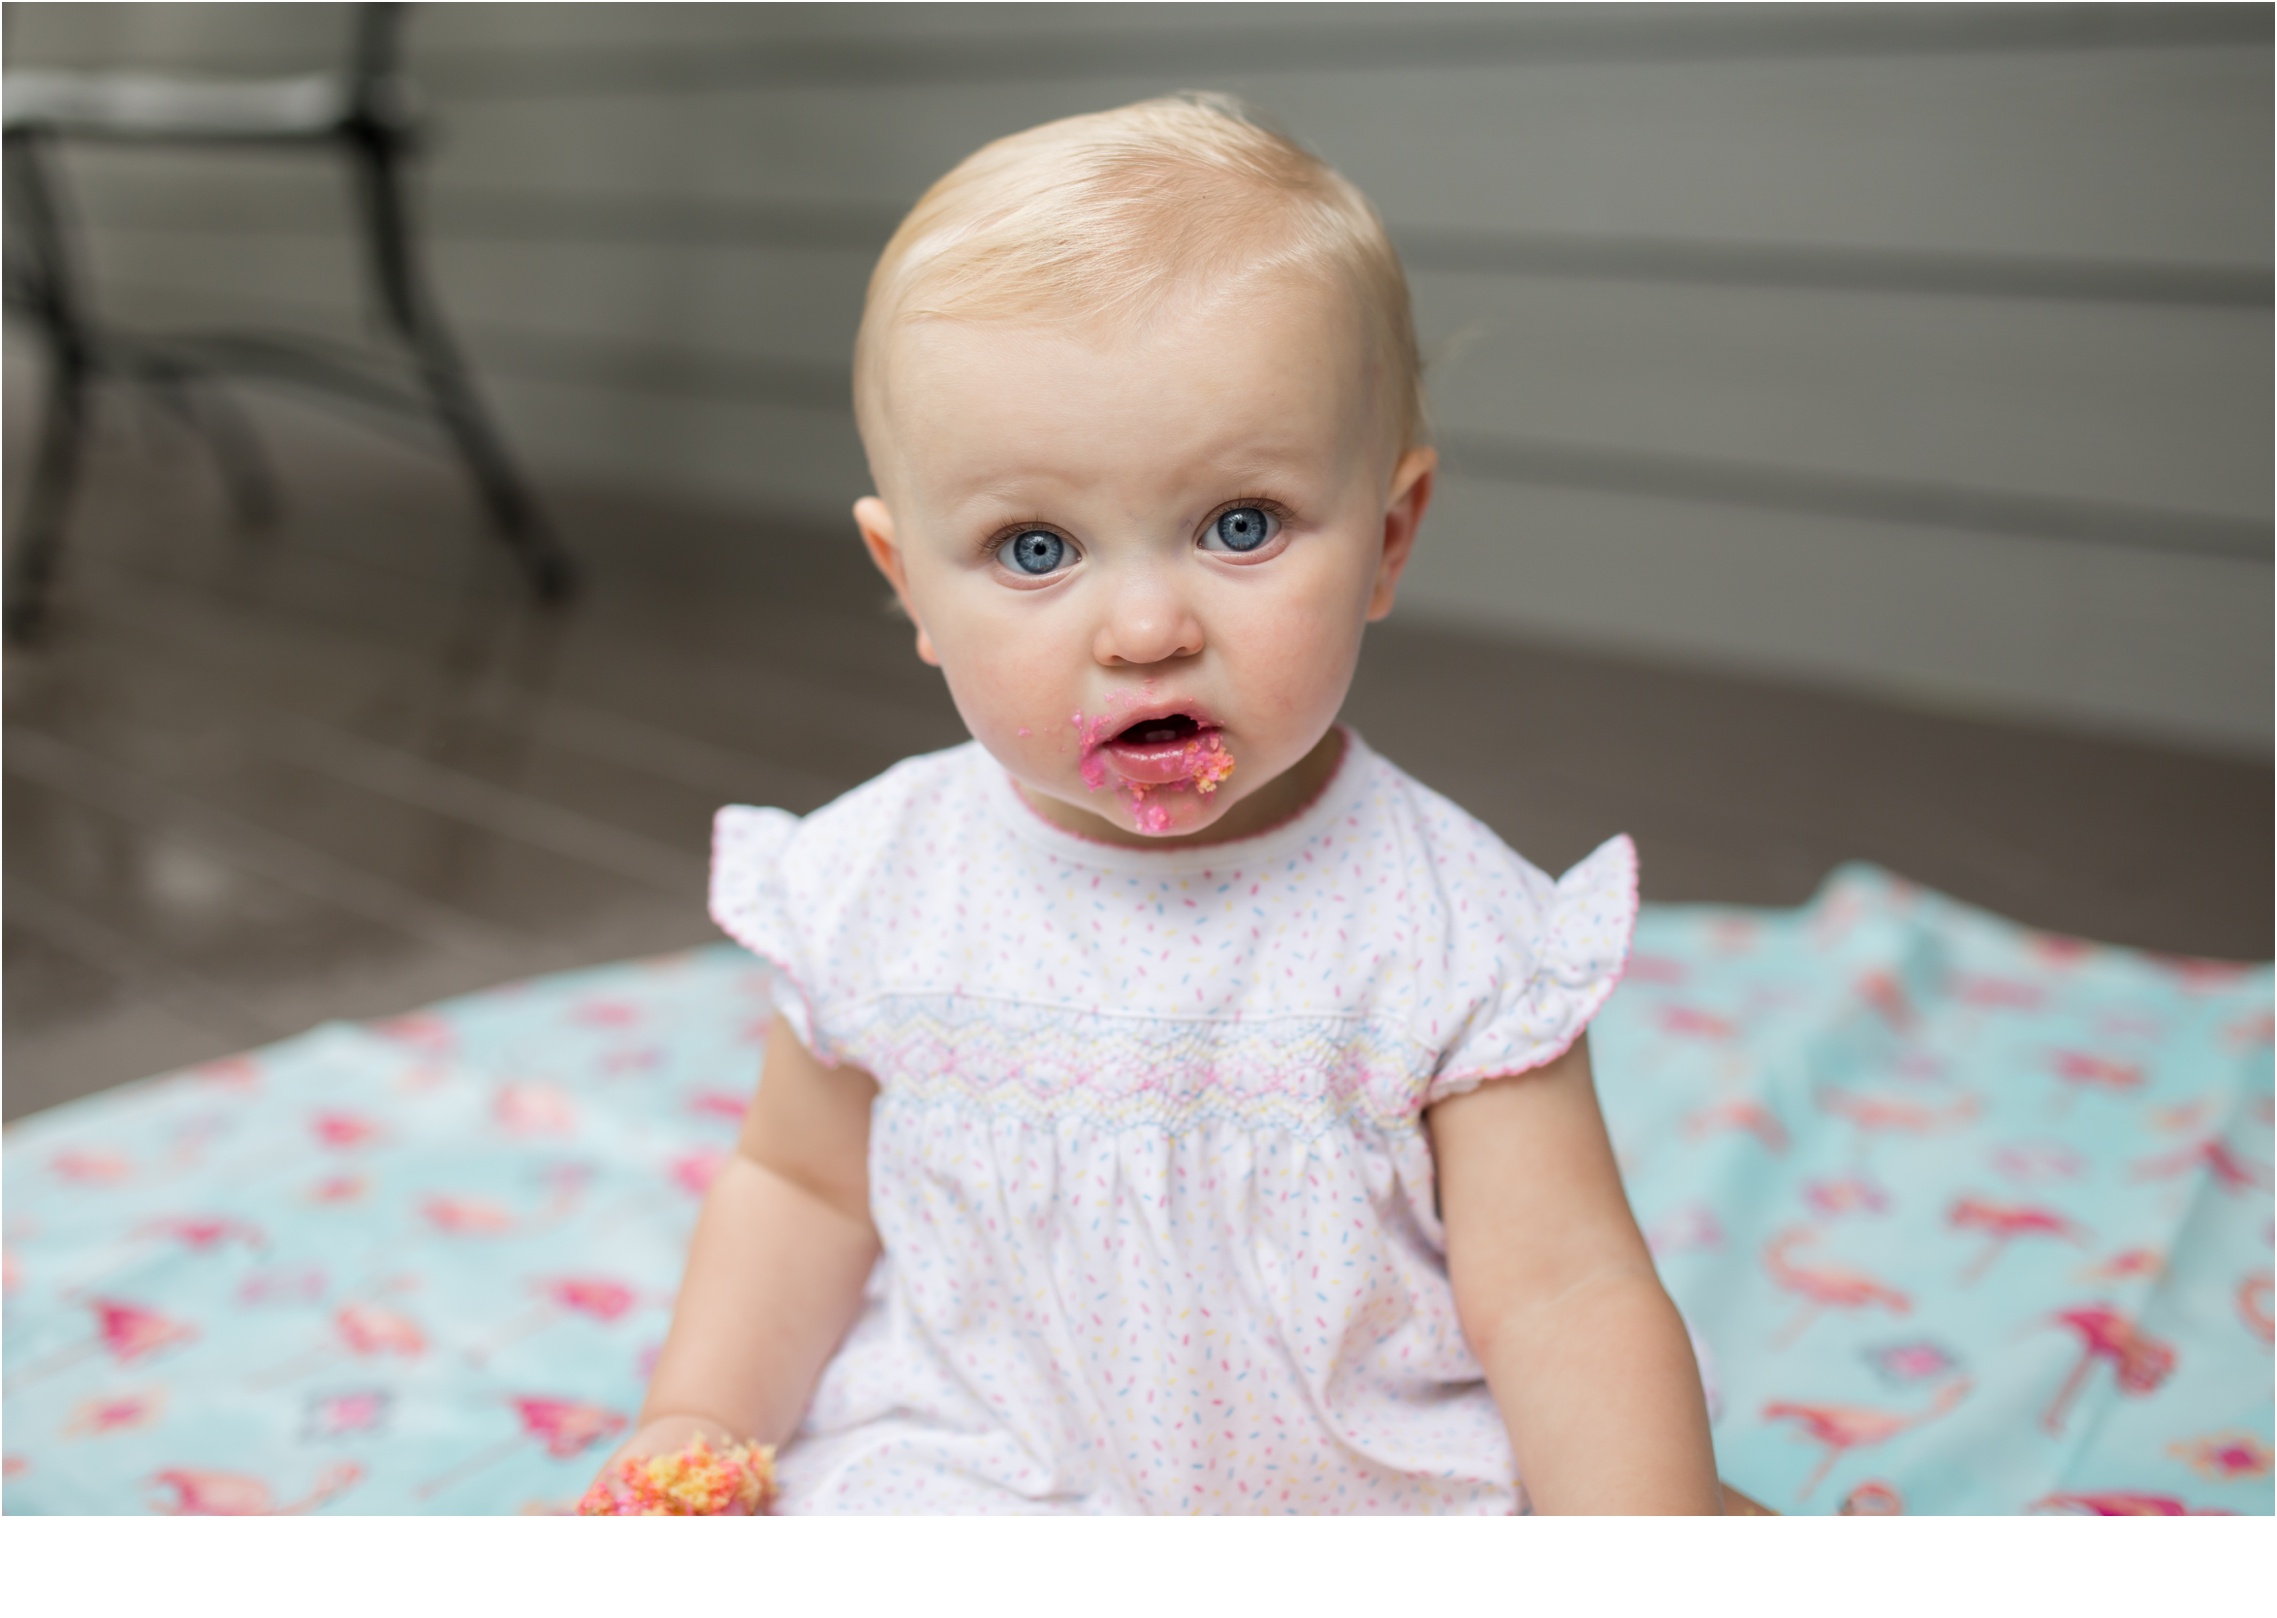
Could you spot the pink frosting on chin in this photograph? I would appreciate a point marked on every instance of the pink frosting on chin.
(1089, 734)
(1202, 763)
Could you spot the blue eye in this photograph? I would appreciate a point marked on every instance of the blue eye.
(1036, 551)
(1243, 529)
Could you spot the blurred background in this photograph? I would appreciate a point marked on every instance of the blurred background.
(1858, 426)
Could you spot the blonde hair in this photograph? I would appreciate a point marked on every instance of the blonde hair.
(1106, 215)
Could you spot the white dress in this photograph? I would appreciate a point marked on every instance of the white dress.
(1147, 1159)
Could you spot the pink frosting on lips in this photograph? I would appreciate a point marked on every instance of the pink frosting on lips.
(1174, 750)
(1157, 752)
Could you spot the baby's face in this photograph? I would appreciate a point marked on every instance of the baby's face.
(1143, 560)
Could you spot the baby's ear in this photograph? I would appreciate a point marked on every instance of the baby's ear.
(1411, 486)
(875, 520)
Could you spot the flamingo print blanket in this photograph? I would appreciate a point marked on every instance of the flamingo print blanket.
(1971, 1218)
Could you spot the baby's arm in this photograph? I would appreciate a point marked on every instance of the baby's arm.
(776, 1269)
(1587, 1357)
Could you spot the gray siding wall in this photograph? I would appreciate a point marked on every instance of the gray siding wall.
(1921, 349)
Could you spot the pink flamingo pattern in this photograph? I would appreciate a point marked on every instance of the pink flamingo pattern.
(467, 1215)
(117, 1413)
(2128, 1264)
(2256, 1295)
(1876, 1115)
(425, 1265)
(531, 1108)
(2225, 1457)
(131, 1332)
(1740, 1116)
(345, 1415)
(1844, 1195)
(1997, 993)
(2117, 1503)
(196, 1492)
(1921, 1360)
(2109, 1503)
(1823, 1286)
(2038, 1162)
(2003, 1222)
(566, 1427)
(206, 1234)
(2139, 1361)
(338, 1190)
(359, 1330)
(1690, 1022)
(2228, 1170)
(472, 1214)
(595, 1297)
(2084, 1073)
(1885, 992)
(719, 1105)
(342, 1131)
(694, 1171)
(1838, 1429)
(79, 1166)
(128, 1332)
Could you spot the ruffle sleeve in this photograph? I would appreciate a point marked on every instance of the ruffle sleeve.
(751, 903)
(1580, 947)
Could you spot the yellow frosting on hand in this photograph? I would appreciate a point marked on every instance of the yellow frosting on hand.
(696, 1482)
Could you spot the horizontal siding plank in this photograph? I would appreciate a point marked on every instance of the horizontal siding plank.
(2146, 406)
(562, 49)
(2157, 408)
(2156, 154)
(165, 194)
(2154, 644)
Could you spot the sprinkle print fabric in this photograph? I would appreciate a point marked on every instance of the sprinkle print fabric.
(1975, 1219)
(1147, 1159)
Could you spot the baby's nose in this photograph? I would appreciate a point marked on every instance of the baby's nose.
(1147, 621)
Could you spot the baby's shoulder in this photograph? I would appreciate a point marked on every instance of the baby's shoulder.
(912, 806)
(1517, 962)
(1491, 908)
(1440, 850)
(789, 885)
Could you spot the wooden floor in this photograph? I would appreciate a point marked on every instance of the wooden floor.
(342, 767)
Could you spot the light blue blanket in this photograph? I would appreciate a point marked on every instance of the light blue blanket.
(1973, 1219)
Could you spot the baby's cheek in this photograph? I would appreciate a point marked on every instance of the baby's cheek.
(1295, 666)
(1008, 699)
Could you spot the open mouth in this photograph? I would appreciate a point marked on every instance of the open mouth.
(1161, 749)
(1170, 729)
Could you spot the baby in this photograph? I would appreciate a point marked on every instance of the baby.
(1171, 1105)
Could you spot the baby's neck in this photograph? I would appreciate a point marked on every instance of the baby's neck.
(1281, 799)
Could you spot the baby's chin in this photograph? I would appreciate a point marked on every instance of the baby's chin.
(1128, 792)
(1130, 812)
(1177, 810)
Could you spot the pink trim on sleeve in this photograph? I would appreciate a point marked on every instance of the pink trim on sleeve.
(747, 901)
(1586, 1001)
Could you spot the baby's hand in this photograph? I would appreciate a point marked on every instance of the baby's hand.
(683, 1466)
